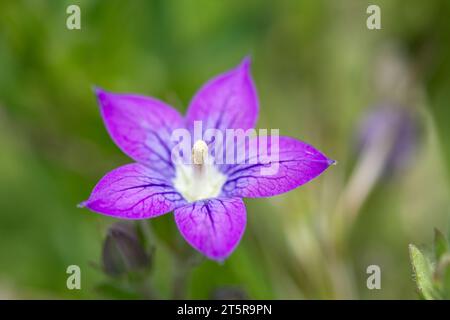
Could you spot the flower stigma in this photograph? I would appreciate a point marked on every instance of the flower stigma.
(201, 179)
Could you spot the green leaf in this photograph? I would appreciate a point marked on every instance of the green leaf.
(422, 273)
(440, 244)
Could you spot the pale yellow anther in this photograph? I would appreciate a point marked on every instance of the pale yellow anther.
(199, 152)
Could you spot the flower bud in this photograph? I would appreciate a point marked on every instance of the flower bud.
(392, 133)
(122, 250)
(386, 142)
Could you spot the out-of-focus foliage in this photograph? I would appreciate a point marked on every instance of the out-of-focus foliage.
(432, 274)
(318, 70)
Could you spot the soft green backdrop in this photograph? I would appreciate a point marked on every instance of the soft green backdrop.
(317, 69)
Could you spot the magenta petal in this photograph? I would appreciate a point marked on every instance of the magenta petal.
(228, 101)
(214, 226)
(141, 127)
(297, 164)
(134, 191)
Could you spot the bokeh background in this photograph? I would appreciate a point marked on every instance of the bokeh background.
(377, 101)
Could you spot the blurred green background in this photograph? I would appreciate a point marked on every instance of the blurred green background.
(318, 70)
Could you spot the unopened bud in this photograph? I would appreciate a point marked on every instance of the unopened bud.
(122, 250)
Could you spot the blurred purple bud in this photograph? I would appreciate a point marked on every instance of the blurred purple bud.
(122, 250)
(391, 130)
(229, 293)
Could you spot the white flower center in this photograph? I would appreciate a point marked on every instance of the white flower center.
(201, 179)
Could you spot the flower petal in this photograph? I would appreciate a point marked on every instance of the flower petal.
(134, 191)
(228, 101)
(296, 164)
(213, 226)
(141, 127)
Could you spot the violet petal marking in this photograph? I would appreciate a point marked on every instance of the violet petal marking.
(134, 191)
(214, 226)
(297, 164)
(141, 127)
(228, 101)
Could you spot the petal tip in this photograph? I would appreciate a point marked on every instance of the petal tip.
(99, 92)
(102, 97)
(219, 258)
(97, 89)
(83, 204)
(220, 261)
(332, 162)
(246, 63)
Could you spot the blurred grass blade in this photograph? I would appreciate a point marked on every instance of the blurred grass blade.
(442, 275)
(440, 244)
(446, 282)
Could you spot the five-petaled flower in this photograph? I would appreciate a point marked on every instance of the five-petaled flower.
(206, 198)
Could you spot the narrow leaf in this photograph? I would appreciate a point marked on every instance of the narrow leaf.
(440, 244)
(422, 273)
(442, 275)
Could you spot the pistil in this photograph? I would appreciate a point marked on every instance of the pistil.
(200, 179)
(199, 157)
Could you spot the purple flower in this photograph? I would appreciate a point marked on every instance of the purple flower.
(391, 132)
(206, 197)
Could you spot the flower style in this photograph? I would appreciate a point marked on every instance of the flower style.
(206, 197)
